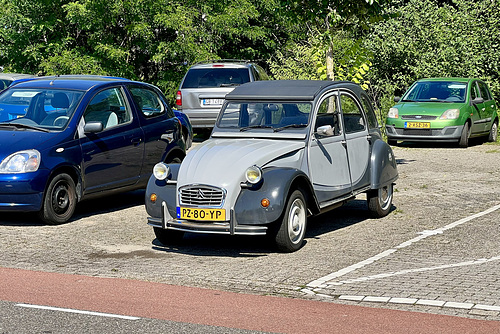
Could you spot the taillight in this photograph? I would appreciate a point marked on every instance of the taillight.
(178, 98)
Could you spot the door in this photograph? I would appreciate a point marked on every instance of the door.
(357, 140)
(477, 111)
(112, 158)
(488, 108)
(328, 162)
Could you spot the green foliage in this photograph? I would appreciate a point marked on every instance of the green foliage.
(430, 38)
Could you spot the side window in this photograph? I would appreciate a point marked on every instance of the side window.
(328, 115)
(147, 101)
(353, 117)
(109, 108)
(485, 93)
(474, 92)
(370, 114)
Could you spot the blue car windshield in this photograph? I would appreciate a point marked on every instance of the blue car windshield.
(437, 91)
(260, 115)
(48, 109)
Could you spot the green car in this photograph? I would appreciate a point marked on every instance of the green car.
(443, 110)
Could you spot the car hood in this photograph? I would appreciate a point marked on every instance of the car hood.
(223, 162)
(17, 140)
(426, 108)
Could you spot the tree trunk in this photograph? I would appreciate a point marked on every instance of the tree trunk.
(330, 73)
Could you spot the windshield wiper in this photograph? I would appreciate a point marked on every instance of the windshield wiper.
(290, 126)
(229, 85)
(255, 127)
(24, 126)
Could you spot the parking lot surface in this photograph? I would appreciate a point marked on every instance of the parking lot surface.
(437, 251)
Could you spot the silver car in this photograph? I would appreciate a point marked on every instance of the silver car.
(203, 88)
(280, 151)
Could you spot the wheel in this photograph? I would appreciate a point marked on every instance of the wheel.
(60, 200)
(492, 137)
(380, 201)
(292, 229)
(168, 237)
(464, 138)
(392, 142)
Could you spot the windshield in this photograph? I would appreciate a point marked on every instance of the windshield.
(48, 109)
(246, 116)
(215, 77)
(436, 91)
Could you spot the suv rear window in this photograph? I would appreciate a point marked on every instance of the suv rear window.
(215, 77)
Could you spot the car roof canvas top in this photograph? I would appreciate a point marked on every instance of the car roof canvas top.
(274, 90)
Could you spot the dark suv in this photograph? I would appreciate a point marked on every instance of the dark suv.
(205, 85)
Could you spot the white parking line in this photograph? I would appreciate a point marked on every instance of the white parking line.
(68, 310)
(325, 280)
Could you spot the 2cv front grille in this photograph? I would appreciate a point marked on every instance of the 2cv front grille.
(201, 195)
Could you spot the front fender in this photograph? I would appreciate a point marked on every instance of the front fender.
(383, 165)
(165, 190)
(275, 186)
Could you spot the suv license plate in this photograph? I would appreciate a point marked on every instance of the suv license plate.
(201, 214)
(212, 102)
(417, 125)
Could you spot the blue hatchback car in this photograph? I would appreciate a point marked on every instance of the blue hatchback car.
(80, 137)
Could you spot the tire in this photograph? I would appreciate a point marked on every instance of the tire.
(492, 137)
(380, 201)
(464, 138)
(60, 200)
(168, 237)
(292, 228)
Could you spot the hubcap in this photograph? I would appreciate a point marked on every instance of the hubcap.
(296, 221)
(385, 197)
(60, 198)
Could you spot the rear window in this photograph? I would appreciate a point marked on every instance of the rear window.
(215, 77)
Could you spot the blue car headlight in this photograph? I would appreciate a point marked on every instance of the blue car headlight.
(21, 162)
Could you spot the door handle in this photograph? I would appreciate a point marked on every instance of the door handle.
(136, 141)
(369, 138)
(344, 143)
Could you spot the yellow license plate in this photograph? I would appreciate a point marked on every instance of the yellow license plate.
(418, 125)
(201, 214)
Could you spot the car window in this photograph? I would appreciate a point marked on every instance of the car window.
(147, 101)
(215, 77)
(485, 93)
(328, 115)
(45, 108)
(265, 115)
(370, 114)
(353, 117)
(436, 91)
(474, 92)
(109, 108)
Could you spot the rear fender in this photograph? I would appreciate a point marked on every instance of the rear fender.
(383, 165)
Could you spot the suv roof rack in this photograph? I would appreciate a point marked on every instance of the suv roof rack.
(223, 61)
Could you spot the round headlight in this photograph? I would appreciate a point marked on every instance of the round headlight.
(253, 174)
(161, 171)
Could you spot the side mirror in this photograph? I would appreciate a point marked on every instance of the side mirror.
(93, 127)
(325, 130)
(397, 99)
(478, 100)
